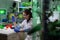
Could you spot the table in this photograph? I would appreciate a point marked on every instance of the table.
(8, 35)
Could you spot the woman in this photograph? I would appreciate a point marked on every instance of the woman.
(26, 25)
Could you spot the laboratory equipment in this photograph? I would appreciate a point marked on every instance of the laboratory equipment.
(20, 16)
(8, 26)
(2, 16)
(10, 16)
(1, 26)
(2, 11)
(13, 19)
(4, 20)
(17, 28)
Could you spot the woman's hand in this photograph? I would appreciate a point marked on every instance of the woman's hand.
(14, 24)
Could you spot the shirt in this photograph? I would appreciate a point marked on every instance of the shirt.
(26, 25)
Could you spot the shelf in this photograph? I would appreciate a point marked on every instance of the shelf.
(25, 7)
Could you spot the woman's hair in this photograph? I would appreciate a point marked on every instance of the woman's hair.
(28, 12)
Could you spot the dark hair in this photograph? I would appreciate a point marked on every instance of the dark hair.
(14, 4)
(28, 12)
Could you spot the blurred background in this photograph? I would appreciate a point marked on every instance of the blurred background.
(50, 10)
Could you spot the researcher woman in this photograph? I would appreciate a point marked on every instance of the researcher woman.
(26, 25)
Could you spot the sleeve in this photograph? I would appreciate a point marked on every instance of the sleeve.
(29, 26)
(22, 24)
(19, 27)
(26, 29)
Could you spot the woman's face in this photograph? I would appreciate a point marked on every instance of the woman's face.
(25, 16)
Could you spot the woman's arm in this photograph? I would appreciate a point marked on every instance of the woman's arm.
(25, 29)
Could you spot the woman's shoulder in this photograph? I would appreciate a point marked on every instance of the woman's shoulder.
(24, 20)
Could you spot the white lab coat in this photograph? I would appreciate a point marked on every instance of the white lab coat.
(26, 25)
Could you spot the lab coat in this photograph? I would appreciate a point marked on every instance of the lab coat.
(24, 25)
